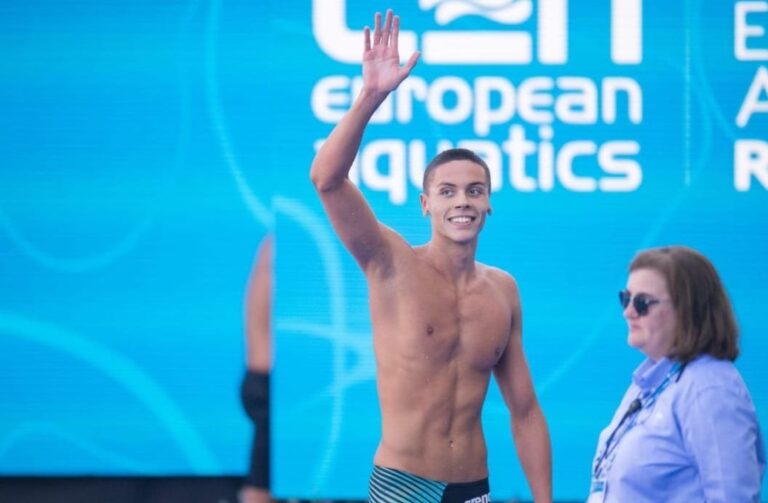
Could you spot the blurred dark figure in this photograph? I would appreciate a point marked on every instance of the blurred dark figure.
(255, 387)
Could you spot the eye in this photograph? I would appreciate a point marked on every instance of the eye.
(476, 190)
(445, 191)
(624, 298)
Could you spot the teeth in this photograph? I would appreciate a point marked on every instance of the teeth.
(461, 220)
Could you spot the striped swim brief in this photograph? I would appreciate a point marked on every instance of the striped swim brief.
(388, 485)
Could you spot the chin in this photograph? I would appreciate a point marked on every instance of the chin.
(634, 341)
(464, 237)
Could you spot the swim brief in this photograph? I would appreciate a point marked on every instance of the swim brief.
(388, 485)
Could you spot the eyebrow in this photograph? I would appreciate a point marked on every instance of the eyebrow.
(641, 292)
(471, 184)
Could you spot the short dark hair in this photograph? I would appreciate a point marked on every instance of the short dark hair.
(705, 320)
(454, 154)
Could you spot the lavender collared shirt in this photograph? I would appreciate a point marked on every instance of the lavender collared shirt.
(699, 442)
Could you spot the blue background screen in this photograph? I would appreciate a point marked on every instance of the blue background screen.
(146, 149)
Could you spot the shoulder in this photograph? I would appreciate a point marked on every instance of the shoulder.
(706, 369)
(501, 281)
(711, 398)
(707, 375)
(497, 276)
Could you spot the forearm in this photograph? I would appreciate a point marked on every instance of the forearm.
(334, 159)
(535, 454)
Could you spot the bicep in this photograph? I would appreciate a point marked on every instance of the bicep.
(354, 223)
(258, 303)
(514, 379)
(259, 290)
(511, 372)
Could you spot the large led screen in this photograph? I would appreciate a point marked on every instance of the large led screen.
(146, 149)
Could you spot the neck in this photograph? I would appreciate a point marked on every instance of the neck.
(453, 259)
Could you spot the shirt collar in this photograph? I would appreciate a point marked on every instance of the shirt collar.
(650, 374)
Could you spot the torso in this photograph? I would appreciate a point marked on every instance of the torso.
(436, 342)
(653, 460)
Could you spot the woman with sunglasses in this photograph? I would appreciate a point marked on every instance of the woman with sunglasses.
(686, 430)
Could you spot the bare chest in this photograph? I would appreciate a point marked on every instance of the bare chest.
(431, 319)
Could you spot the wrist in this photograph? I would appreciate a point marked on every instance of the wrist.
(371, 97)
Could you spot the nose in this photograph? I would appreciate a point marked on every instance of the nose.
(461, 201)
(629, 312)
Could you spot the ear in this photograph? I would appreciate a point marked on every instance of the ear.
(424, 204)
(490, 210)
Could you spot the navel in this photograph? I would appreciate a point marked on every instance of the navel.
(430, 330)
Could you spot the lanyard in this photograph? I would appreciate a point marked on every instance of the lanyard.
(632, 412)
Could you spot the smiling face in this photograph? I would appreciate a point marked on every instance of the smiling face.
(457, 200)
(654, 333)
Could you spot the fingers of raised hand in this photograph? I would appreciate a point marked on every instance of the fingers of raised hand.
(377, 28)
(387, 33)
(395, 31)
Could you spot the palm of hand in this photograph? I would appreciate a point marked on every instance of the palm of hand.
(381, 68)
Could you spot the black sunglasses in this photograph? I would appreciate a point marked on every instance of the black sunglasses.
(641, 302)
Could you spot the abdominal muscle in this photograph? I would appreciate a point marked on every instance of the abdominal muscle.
(431, 420)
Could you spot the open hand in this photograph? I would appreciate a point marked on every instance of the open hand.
(382, 72)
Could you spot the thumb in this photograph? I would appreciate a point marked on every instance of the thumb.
(406, 70)
(411, 62)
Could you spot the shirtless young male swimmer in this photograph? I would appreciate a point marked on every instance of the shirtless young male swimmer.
(442, 322)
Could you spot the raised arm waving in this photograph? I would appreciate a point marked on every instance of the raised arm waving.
(350, 214)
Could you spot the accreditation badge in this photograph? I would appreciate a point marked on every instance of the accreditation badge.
(597, 491)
